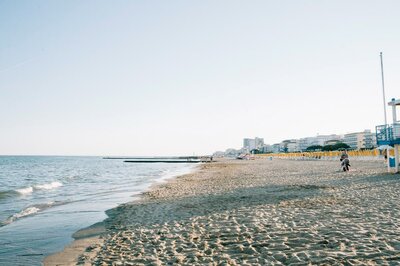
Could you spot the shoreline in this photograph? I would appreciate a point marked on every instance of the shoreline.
(84, 239)
(257, 212)
(88, 238)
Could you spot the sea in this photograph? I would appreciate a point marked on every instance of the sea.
(45, 199)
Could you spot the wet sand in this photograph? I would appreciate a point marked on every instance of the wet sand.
(257, 212)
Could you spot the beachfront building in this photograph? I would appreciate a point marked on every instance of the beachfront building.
(360, 140)
(259, 142)
(267, 148)
(276, 148)
(304, 143)
(320, 140)
(251, 144)
(332, 142)
(290, 145)
(293, 146)
(370, 141)
(218, 154)
(232, 152)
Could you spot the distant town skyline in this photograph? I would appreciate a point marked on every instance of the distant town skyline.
(364, 139)
(183, 78)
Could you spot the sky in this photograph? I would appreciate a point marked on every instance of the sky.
(190, 77)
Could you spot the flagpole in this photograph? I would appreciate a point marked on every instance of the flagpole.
(383, 89)
(384, 110)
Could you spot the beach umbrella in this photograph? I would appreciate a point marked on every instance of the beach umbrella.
(385, 147)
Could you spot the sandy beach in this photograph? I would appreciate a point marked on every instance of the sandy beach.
(261, 212)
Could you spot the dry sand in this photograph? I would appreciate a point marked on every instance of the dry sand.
(258, 212)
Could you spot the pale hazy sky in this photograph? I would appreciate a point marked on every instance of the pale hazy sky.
(190, 77)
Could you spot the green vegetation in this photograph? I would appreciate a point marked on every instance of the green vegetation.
(335, 147)
(256, 151)
(314, 148)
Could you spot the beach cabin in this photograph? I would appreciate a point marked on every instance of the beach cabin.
(390, 135)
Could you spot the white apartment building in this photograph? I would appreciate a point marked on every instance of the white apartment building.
(276, 148)
(232, 152)
(304, 143)
(251, 144)
(267, 148)
(357, 140)
(360, 140)
(291, 145)
(259, 142)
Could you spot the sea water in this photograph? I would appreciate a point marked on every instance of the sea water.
(45, 199)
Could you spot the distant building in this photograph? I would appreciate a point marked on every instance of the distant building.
(293, 146)
(357, 140)
(290, 145)
(332, 142)
(259, 142)
(360, 140)
(218, 154)
(267, 148)
(248, 144)
(251, 144)
(276, 148)
(232, 152)
(370, 141)
(320, 140)
(304, 143)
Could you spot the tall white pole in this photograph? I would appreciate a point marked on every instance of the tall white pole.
(384, 110)
(383, 89)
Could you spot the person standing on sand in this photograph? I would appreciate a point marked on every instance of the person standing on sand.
(344, 158)
(344, 155)
(385, 154)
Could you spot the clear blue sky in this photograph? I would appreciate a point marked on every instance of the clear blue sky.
(184, 77)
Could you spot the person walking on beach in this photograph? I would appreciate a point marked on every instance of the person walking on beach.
(344, 155)
(344, 158)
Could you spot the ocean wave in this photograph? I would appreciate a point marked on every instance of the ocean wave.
(168, 174)
(48, 186)
(31, 210)
(24, 191)
(29, 190)
(25, 212)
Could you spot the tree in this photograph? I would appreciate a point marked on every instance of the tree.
(328, 148)
(335, 147)
(340, 145)
(314, 148)
(255, 151)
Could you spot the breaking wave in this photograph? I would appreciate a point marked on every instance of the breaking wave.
(47, 186)
(29, 190)
(51, 185)
(31, 210)
(24, 191)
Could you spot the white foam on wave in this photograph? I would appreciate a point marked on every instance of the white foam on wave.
(47, 186)
(169, 174)
(24, 191)
(31, 210)
(54, 184)
(26, 212)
